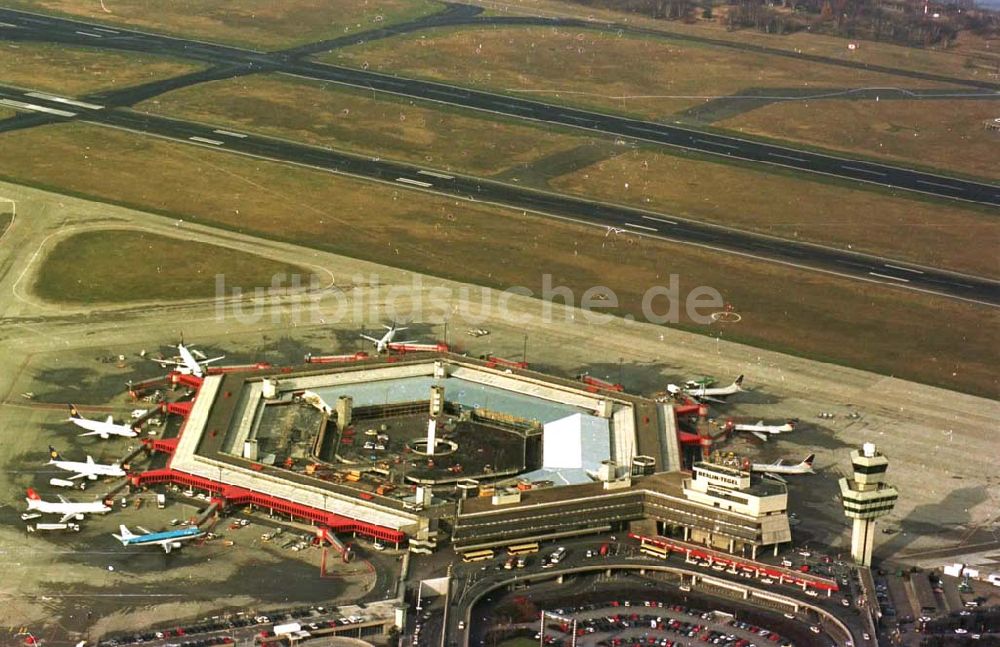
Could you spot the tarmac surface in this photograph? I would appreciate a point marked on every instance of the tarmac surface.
(237, 61)
(941, 444)
(797, 255)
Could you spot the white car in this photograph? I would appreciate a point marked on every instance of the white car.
(961, 631)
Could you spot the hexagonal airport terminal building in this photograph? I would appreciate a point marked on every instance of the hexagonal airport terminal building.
(434, 448)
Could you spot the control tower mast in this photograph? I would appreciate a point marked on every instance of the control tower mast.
(866, 497)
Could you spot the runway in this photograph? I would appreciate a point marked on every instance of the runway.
(619, 219)
(233, 61)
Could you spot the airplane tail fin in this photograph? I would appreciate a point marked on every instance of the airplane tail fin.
(73, 412)
(125, 535)
(33, 495)
(53, 454)
(808, 462)
(739, 381)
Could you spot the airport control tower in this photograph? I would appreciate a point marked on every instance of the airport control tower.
(866, 497)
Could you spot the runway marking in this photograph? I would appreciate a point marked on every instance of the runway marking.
(205, 140)
(862, 170)
(573, 117)
(436, 174)
(229, 133)
(36, 108)
(647, 130)
(632, 224)
(406, 180)
(512, 105)
(711, 143)
(106, 30)
(87, 33)
(943, 186)
(58, 99)
(669, 222)
(846, 262)
(887, 276)
(788, 157)
(904, 269)
(7, 24)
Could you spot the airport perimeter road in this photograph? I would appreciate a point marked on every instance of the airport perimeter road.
(237, 61)
(406, 176)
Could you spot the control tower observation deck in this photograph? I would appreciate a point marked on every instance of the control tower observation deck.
(866, 497)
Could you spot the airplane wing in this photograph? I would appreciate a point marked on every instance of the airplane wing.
(78, 476)
(167, 362)
(371, 339)
(90, 460)
(62, 498)
(211, 359)
(96, 432)
(143, 530)
(110, 420)
(702, 398)
(66, 517)
(760, 435)
(402, 343)
(774, 476)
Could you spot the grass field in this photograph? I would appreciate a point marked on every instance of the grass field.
(330, 115)
(961, 238)
(121, 266)
(7, 113)
(5, 218)
(951, 61)
(598, 69)
(261, 24)
(80, 70)
(940, 133)
(907, 334)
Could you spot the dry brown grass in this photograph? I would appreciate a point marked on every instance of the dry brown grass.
(951, 61)
(907, 334)
(81, 70)
(7, 113)
(330, 115)
(87, 268)
(650, 77)
(950, 236)
(262, 24)
(941, 133)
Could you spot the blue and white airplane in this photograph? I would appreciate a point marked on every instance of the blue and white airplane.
(168, 539)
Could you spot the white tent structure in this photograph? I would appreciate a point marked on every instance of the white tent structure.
(573, 446)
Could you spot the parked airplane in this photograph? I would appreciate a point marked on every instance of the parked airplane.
(382, 345)
(168, 540)
(774, 470)
(704, 392)
(102, 428)
(761, 430)
(191, 361)
(90, 469)
(65, 507)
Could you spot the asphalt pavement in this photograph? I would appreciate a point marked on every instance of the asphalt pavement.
(37, 27)
(230, 61)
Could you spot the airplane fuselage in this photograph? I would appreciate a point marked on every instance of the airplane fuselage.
(90, 470)
(52, 507)
(104, 429)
